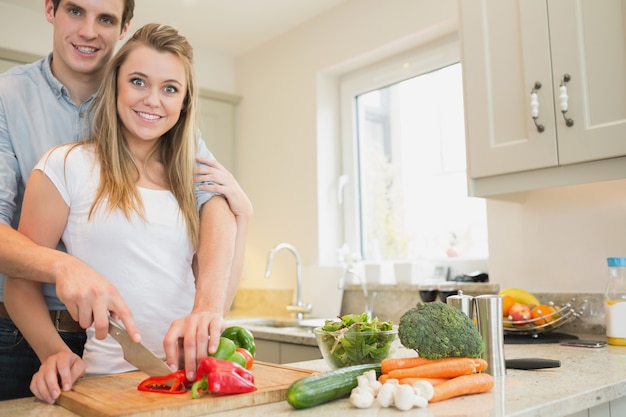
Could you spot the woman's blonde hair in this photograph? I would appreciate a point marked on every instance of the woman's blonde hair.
(176, 149)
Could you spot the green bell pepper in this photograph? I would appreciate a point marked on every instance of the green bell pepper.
(242, 338)
(226, 350)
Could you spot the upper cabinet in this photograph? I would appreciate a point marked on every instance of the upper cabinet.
(545, 91)
(217, 114)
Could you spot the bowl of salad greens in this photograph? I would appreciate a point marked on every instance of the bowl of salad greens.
(354, 339)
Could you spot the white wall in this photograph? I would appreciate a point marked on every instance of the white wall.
(558, 239)
(24, 30)
(289, 91)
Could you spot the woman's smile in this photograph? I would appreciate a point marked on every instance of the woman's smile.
(148, 116)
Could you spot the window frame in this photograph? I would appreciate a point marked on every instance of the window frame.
(426, 58)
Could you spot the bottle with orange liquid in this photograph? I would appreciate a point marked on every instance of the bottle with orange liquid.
(615, 302)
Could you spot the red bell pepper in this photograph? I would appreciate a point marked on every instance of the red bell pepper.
(220, 376)
(174, 383)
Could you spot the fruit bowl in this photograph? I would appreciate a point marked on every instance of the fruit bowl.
(555, 317)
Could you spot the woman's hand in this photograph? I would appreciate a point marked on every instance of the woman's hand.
(195, 334)
(65, 367)
(221, 181)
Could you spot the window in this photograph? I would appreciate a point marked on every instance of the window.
(404, 155)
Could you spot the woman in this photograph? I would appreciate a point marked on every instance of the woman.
(124, 203)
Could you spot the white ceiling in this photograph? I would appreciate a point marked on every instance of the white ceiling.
(229, 27)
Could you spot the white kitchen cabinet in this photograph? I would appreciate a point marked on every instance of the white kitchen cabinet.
(290, 352)
(216, 115)
(602, 410)
(5, 64)
(10, 58)
(281, 352)
(615, 408)
(513, 48)
(267, 351)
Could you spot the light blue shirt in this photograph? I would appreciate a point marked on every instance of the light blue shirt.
(36, 114)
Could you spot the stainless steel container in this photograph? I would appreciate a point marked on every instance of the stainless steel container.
(462, 302)
(489, 315)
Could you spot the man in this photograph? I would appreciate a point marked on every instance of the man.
(45, 104)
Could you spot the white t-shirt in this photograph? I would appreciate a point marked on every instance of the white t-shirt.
(149, 262)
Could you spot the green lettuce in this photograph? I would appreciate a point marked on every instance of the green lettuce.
(354, 339)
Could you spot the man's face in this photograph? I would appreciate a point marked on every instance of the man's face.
(85, 35)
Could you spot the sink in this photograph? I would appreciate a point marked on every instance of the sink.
(278, 323)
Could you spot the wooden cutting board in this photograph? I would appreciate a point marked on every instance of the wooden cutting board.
(117, 395)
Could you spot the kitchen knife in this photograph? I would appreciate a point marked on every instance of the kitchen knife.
(531, 363)
(137, 354)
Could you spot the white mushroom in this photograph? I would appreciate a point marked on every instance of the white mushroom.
(405, 397)
(362, 396)
(373, 383)
(387, 392)
(421, 402)
(424, 389)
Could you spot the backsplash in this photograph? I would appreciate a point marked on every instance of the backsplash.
(590, 307)
(253, 302)
(391, 301)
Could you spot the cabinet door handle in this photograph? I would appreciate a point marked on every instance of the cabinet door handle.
(534, 107)
(563, 98)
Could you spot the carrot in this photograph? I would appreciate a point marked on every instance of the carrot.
(389, 364)
(383, 378)
(481, 364)
(463, 385)
(433, 381)
(445, 368)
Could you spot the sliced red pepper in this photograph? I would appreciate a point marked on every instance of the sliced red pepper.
(174, 383)
(220, 376)
(247, 356)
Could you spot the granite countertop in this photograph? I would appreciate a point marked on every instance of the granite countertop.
(587, 377)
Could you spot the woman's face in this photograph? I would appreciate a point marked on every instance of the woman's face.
(151, 91)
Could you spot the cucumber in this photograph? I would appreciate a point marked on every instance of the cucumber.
(321, 388)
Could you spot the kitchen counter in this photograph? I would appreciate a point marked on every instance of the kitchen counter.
(302, 335)
(587, 377)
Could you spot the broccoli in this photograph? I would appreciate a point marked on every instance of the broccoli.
(437, 330)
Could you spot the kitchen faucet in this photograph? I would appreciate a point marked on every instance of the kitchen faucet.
(347, 260)
(299, 308)
(369, 297)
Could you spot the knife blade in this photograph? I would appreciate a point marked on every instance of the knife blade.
(137, 354)
(532, 363)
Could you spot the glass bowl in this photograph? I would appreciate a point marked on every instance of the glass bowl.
(343, 347)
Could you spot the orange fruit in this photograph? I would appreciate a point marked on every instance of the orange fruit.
(507, 303)
(542, 314)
